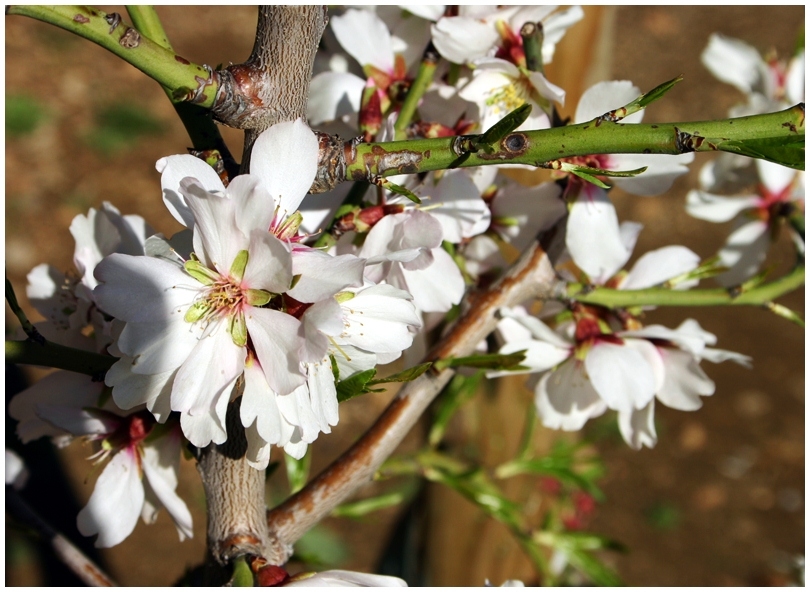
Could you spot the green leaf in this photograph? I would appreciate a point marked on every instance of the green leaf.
(656, 93)
(639, 103)
(787, 151)
(489, 361)
(354, 385)
(200, 272)
(298, 470)
(366, 506)
(398, 189)
(322, 548)
(404, 376)
(458, 391)
(504, 127)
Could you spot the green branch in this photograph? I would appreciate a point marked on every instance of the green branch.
(186, 81)
(778, 137)
(53, 355)
(760, 295)
(201, 129)
(418, 87)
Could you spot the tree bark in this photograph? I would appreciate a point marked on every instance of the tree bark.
(272, 86)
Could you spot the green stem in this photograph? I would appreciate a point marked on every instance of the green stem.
(545, 147)
(760, 295)
(532, 35)
(201, 129)
(183, 78)
(420, 84)
(146, 20)
(53, 355)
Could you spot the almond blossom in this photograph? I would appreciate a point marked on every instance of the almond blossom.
(757, 218)
(481, 31)
(141, 474)
(66, 300)
(588, 367)
(405, 251)
(198, 323)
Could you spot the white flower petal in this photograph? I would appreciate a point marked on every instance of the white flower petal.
(662, 170)
(285, 158)
(334, 95)
(275, 337)
(604, 97)
(347, 579)
(621, 374)
(269, 265)
(685, 381)
(638, 427)
(593, 237)
(143, 289)
(200, 383)
(365, 37)
(716, 208)
(323, 275)
(565, 398)
(160, 469)
(734, 62)
(744, 252)
(116, 502)
(462, 39)
(656, 267)
(174, 169)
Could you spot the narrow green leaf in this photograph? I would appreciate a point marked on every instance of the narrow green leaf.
(399, 190)
(577, 169)
(488, 361)
(640, 103)
(298, 470)
(360, 508)
(404, 376)
(505, 126)
(354, 385)
(458, 391)
(787, 151)
(656, 93)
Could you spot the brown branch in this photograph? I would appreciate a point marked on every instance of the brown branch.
(272, 86)
(531, 277)
(87, 571)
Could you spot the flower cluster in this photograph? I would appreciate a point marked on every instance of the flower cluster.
(266, 301)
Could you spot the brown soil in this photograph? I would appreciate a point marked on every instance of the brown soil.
(719, 501)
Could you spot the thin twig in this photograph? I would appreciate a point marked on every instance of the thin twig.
(532, 276)
(87, 571)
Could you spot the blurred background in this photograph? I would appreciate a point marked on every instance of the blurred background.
(719, 501)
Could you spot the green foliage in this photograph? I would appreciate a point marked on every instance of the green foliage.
(360, 383)
(321, 548)
(118, 125)
(490, 361)
(787, 151)
(298, 470)
(366, 506)
(663, 516)
(457, 392)
(24, 114)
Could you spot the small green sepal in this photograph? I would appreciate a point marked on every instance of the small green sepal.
(200, 272)
(238, 329)
(257, 297)
(239, 264)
